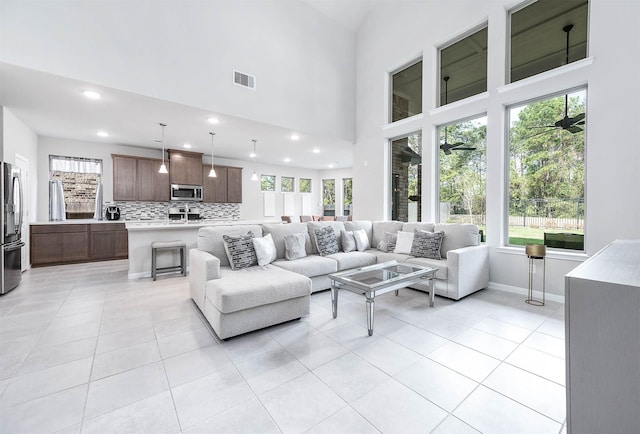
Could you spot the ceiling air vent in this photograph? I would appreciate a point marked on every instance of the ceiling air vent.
(245, 80)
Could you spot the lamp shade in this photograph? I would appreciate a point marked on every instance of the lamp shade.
(535, 250)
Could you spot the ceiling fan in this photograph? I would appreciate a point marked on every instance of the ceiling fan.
(448, 147)
(571, 124)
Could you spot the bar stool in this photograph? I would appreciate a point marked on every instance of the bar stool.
(168, 245)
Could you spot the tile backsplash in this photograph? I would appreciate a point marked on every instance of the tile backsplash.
(160, 210)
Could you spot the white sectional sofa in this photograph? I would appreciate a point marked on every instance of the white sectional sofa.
(236, 302)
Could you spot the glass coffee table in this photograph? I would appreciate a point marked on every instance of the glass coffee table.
(379, 279)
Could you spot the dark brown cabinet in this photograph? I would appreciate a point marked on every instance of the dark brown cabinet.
(152, 185)
(70, 243)
(137, 178)
(125, 178)
(226, 187)
(186, 167)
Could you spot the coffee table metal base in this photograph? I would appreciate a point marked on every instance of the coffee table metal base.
(371, 294)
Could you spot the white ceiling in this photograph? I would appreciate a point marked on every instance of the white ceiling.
(54, 106)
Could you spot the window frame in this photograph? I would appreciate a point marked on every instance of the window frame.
(293, 184)
(507, 166)
(268, 176)
(391, 74)
(300, 185)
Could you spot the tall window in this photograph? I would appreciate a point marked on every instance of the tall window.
(547, 34)
(329, 197)
(465, 63)
(406, 92)
(347, 195)
(406, 178)
(546, 171)
(462, 172)
(75, 187)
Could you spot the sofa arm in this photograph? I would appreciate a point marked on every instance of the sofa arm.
(468, 270)
(203, 266)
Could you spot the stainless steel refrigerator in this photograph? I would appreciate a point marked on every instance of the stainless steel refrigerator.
(11, 213)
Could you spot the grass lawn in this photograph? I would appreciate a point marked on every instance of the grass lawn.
(520, 236)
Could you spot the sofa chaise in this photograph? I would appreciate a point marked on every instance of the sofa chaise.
(236, 302)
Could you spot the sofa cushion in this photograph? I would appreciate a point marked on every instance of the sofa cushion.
(440, 264)
(361, 224)
(347, 241)
(362, 240)
(278, 231)
(210, 238)
(388, 243)
(310, 266)
(350, 260)
(240, 251)
(326, 240)
(412, 226)
(312, 226)
(426, 244)
(294, 246)
(379, 228)
(254, 286)
(404, 243)
(389, 256)
(265, 249)
(457, 236)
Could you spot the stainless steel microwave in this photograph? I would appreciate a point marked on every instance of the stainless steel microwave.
(191, 193)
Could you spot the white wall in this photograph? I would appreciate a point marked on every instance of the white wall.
(612, 152)
(19, 139)
(252, 197)
(186, 51)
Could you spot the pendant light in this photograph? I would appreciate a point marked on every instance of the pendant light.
(254, 177)
(212, 172)
(163, 167)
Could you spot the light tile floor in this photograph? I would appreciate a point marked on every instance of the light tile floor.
(85, 350)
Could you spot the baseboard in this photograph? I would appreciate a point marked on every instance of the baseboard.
(524, 292)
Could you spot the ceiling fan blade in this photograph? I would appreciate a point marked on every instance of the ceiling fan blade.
(545, 126)
(574, 129)
(539, 134)
(456, 144)
(466, 148)
(577, 118)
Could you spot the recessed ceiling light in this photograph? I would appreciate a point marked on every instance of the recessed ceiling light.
(91, 94)
(316, 151)
(287, 160)
(102, 134)
(294, 137)
(331, 166)
(213, 120)
(187, 146)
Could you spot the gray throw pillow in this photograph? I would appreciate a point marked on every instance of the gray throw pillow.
(388, 242)
(347, 240)
(294, 246)
(326, 241)
(240, 251)
(426, 244)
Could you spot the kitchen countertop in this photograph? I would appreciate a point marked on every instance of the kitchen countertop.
(76, 222)
(142, 225)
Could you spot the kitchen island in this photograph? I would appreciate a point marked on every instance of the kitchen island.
(143, 232)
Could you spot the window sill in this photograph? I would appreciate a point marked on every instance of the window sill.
(403, 122)
(551, 254)
(573, 66)
(460, 103)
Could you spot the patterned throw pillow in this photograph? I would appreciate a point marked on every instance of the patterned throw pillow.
(294, 246)
(362, 240)
(388, 242)
(240, 251)
(326, 241)
(426, 244)
(348, 242)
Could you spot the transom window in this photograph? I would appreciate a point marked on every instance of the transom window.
(547, 34)
(268, 182)
(406, 92)
(286, 184)
(304, 185)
